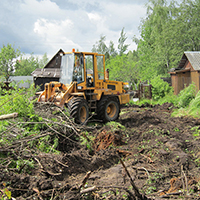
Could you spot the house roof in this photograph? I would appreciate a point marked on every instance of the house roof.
(47, 72)
(60, 51)
(193, 57)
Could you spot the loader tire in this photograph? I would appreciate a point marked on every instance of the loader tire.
(108, 109)
(79, 110)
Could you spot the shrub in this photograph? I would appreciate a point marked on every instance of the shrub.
(194, 106)
(160, 88)
(186, 95)
(169, 98)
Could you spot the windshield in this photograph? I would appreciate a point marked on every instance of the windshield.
(67, 64)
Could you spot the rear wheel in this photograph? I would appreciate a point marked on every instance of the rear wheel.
(108, 109)
(79, 110)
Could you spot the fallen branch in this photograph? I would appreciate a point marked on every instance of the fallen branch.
(85, 179)
(143, 169)
(61, 163)
(137, 193)
(38, 193)
(185, 184)
(172, 193)
(91, 189)
(41, 166)
(9, 116)
(94, 188)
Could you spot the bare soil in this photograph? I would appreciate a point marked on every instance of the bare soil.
(161, 153)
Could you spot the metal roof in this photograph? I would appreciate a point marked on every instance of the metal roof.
(193, 57)
(47, 72)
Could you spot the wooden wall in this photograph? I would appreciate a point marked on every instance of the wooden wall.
(180, 81)
(55, 62)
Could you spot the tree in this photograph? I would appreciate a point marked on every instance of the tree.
(43, 61)
(121, 46)
(8, 56)
(100, 47)
(124, 68)
(111, 50)
(25, 66)
(166, 33)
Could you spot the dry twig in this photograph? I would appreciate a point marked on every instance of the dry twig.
(137, 193)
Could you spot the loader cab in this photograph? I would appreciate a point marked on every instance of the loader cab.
(72, 68)
(94, 65)
(84, 68)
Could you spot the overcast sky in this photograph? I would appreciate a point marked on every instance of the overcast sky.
(45, 26)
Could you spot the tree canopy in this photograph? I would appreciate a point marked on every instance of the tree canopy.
(14, 63)
(25, 66)
(166, 33)
(8, 56)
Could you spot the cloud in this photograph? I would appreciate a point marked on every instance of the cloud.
(122, 15)
(45, 26)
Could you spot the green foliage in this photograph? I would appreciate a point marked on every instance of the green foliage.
(160, 88)
(115, 125)
(151, 182)
(8, 56)
(121, 46)
(100, 47)
(168, 98)
(188, 103)
(186, 95)
(194, 106)
(123, 68)
(24, 165)
(18, 100)
(146, 102)
(48, 144)
(167, 31)
(87, 140)
(25, 66)
(5, 193)
(196, 131)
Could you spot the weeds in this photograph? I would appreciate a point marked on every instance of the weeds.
(87, 140)
(5, 193)
(115, 125)
(196, 131)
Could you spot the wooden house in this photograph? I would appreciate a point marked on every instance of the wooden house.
(50, 72)
(187, 72)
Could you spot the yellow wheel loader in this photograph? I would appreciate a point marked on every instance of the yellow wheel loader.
(85, 88)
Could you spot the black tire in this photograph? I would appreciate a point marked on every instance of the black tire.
(108, 109)
(79, 110)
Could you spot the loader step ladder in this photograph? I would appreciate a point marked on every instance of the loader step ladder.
(92, 103)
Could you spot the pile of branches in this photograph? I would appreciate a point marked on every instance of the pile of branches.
(20, 138)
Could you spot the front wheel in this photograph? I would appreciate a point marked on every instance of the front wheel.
(108, 109)
(79, 110)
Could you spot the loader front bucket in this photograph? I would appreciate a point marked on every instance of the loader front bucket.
(57, 93)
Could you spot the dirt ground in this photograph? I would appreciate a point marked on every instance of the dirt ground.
(161, 155)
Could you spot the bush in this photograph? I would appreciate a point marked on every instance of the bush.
(186, 95)
(18, 100)
(168, 98)
(194, 106)
(160, 88)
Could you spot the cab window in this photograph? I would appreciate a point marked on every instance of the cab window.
(100, 67)
(78, 72)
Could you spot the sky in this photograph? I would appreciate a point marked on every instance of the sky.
(45, 26)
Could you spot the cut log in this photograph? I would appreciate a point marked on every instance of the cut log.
(8, 116)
